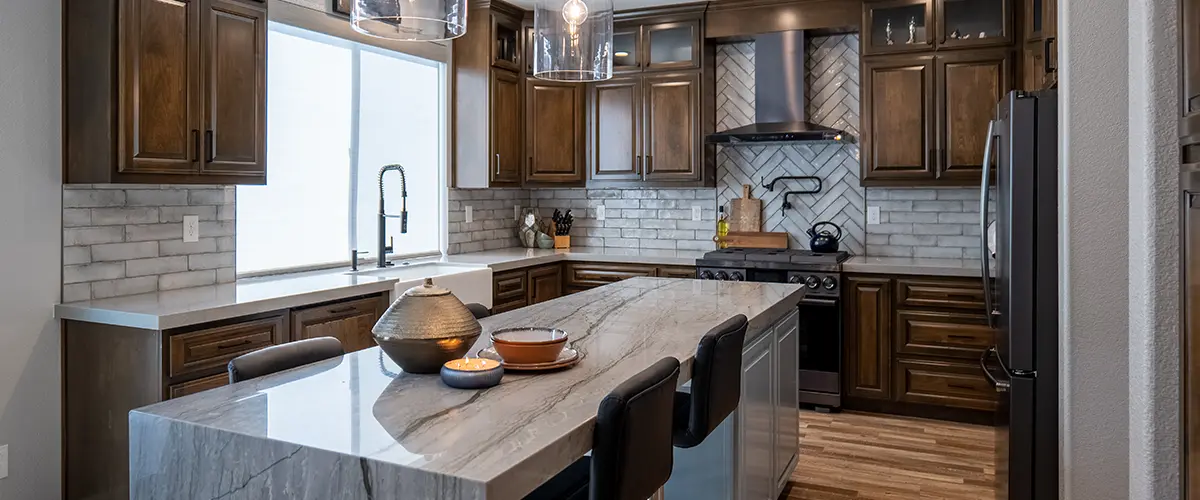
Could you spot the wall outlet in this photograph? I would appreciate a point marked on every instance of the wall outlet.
(470, 214)
(191, 228)
(696, 213)
(3, 461)
(599, 212)
(872, 215)
(517, 213)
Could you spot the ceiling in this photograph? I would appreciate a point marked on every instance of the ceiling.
(617, 4)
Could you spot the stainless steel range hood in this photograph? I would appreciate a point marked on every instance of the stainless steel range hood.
(779, 97)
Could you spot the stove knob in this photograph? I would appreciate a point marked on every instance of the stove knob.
(794, 279)
(721, 275)
(706, 275)
(829, 283)
(812, 282)
(737, 276)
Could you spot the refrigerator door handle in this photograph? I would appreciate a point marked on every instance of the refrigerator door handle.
(983, 223)
(1000, 385)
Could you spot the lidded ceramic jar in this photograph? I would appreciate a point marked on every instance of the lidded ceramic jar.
(425, 328)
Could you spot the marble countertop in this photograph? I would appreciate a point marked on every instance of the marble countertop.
(514, 258)
(968, 268)
(357, 424)
(190, 306)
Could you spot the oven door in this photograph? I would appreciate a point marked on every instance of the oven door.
(820, 345)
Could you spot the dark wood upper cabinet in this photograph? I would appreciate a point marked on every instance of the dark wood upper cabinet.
(165, 91)
(348, 321)
(671, 147)
(506, 42)
(160, 98)
(898, 120)
(1039, 19)
(1033, 66)
(973, 23)
(969, 85)
(669, 46)
(554, 132)
(505, 128)
(893, 26)
(614, 125)
(235, 91)
(627, 47)
(868, 337)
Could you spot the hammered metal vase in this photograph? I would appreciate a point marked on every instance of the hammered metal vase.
(425, 328)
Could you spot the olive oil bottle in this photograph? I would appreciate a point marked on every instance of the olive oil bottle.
(722, 228)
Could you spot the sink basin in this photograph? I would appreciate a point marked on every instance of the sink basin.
(468, 283)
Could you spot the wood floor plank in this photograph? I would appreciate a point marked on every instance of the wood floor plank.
(860, 456)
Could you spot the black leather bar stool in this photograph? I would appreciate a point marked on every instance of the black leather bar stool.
(631, 455)
(478, 310)
(282, 357)
(716, 383)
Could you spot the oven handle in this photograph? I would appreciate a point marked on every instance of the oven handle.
(818, 302)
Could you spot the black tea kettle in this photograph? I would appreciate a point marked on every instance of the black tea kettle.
(822, 241)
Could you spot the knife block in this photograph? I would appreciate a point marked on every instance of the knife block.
(562, 241)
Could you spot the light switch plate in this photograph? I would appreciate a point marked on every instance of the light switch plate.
(3, 461)
(696, 213)
(517, 213)
(599, 212)
(191, 228)
(872, 215)
(470, 214)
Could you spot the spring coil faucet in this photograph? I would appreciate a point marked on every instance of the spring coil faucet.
(384, 250)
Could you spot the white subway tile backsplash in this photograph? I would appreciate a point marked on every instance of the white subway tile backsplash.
(123, 240)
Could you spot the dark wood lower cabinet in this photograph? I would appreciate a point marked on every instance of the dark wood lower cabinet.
(510, 290)
(916, 351)
(545, 283)
(348, 321)
(867, 337)
(517, 288)
(110, 370)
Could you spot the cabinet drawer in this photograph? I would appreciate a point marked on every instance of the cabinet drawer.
(943, 383)
(510, 290)
(210, 348)
(953, 334)
(198, 385)
(349, 321)
(594, 275)
(955, 294)
(677, 272)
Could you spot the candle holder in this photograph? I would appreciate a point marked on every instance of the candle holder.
(472, 373)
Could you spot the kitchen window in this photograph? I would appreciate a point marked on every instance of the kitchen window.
(337, 111)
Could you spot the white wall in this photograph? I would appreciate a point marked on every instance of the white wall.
(1094, 249)
(30, 248)
(1153, 249)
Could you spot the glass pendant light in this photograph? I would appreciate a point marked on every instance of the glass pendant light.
(572, 40)
(417, 20)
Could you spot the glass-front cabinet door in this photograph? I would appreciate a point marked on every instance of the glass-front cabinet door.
(671, 45)
(627, 42)
(897, 26)
(970, 23)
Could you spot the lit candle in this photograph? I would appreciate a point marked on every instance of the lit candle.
(472, 373)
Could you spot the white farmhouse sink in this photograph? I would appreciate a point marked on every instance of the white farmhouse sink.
(468, 283)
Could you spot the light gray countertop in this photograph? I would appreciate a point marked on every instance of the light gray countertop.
(967, 268)
(355, 425)
(190, 306)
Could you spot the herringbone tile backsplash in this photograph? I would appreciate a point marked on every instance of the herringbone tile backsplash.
(832, 91)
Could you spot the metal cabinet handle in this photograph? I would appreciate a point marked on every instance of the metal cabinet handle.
(639, 165)
(649, 163)
(195, 156)
(237, 344)
(1046, 56)
(340, 310)
(211, 139)
(497, 164)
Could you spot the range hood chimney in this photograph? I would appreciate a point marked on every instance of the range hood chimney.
(779, 103)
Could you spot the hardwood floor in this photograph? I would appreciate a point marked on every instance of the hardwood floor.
(865, 456)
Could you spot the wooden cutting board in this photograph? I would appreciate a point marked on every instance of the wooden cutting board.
(756, 239)
(745, 214)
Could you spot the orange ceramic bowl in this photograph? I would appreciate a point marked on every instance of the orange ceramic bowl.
(527, 345)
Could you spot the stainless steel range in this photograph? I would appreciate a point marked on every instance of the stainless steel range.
(820, 357)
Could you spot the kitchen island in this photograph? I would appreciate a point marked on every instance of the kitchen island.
(357, 427)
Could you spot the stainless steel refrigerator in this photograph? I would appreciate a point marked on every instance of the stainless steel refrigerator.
(1021, 240)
